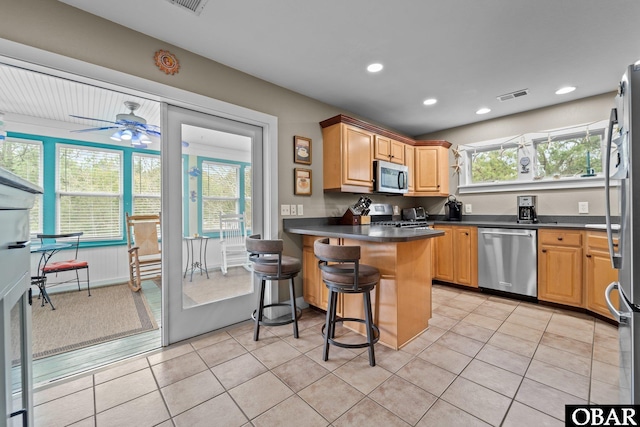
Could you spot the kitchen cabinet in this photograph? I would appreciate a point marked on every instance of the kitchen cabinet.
(389, 150)
(409, 156)
(560, 267)
(455, 257)
(348, 154)
(599, 273)
(431, 165)
(314, 290)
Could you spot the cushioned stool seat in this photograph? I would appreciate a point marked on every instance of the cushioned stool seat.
(343, 273)
(269, 264)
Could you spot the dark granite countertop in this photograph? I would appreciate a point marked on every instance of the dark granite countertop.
(371, 233)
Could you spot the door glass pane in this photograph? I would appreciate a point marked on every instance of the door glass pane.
(217, 207)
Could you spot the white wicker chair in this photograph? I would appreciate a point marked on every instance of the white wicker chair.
(233, 233)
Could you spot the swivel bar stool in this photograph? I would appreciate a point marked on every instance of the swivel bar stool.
(269, 264)
(342, 273)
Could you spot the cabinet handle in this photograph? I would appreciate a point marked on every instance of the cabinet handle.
(544, 251)
(559, 238)
(588, 255)
(466, 233)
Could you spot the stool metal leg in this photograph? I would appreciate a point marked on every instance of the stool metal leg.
(256, 329)
(294, 309)
(334, 306)
(369, 322)
(328, 327)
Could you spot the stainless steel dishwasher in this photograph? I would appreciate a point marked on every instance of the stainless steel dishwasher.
(507, 260)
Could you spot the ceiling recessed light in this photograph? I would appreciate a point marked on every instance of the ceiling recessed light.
(483, 110)
(430, 101)
(566, 89)
(374, 68)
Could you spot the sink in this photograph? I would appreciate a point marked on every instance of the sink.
(603, 226)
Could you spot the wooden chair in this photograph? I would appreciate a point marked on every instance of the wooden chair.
(233, 234)
(143, 248)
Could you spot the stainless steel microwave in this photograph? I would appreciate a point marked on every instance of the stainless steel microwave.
(390, 177)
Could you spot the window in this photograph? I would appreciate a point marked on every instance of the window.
(146, 184)
(220, 192)
(24, 158)
(560, 158)
(89, 191)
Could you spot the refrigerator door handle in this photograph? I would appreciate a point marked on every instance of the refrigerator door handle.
(619, 316)
(616, 257)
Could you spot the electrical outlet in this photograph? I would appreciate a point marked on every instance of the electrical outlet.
(583, 207)
(468, 208)
(285, 210)
(293, 210)
(300, 210)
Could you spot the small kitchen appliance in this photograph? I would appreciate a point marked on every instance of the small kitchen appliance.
(453, 209)
(390, 177)
(527, 210)
(382, 216)
(414, 214)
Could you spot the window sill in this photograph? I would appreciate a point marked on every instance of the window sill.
(544, 184)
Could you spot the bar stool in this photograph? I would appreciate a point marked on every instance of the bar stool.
(346, 276)
(269, 264)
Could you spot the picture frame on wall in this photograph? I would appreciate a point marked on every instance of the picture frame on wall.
(302, 182)
(302, 150)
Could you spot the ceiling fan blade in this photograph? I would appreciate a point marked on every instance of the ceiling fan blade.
(90, 118)
(95, 129)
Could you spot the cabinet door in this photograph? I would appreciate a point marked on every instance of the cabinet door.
(382, 148)
(465, 255)
(357, 154)
(311, 277)
(426, 159)
(409, 154)
(397, 152)
(443, 255)
(560, 274)
(599, 275)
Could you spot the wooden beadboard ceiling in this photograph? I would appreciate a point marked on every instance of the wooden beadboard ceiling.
(32, 94)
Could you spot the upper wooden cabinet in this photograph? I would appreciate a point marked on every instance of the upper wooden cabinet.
(348, 153)
(350, 146)
(431, 170)
(389, 150)
(560, 267)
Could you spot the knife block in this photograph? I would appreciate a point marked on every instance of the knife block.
(350, 218)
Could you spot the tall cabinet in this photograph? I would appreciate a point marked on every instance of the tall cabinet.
(16, 198)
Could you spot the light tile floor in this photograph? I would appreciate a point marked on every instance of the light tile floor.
(485, 360)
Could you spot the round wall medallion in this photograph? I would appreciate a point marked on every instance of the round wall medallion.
(167, 61)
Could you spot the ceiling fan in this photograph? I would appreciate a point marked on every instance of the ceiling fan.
(130, 127)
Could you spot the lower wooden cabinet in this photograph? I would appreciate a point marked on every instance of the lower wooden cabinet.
(314, 290)
(599, 273)
(560, 267)
(456, 255)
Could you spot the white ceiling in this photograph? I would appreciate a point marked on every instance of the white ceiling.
(463, 52)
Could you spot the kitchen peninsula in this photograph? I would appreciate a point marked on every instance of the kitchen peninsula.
(402, 300)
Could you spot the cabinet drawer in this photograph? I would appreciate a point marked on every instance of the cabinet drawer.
(598, 240)
(560, 237)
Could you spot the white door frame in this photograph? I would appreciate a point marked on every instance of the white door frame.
(58, 65)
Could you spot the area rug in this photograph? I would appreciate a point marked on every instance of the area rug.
(79, 320)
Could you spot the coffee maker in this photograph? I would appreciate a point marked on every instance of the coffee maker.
(527, 209)
(453, 209)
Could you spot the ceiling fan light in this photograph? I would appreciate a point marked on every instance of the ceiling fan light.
(117, 136)
(126, 135)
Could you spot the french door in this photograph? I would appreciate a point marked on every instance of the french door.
(210, 165)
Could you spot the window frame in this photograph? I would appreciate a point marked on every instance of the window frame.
(119, 234)
(528, 182)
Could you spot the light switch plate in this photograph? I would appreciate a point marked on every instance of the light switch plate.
(300, 210)
(293, 210)
(285, 210)
(468, 208)
(583, 207)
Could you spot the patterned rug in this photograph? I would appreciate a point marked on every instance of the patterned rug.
(79, 320)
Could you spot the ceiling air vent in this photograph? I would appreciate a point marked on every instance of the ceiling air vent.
(194, 6)
(513, 95)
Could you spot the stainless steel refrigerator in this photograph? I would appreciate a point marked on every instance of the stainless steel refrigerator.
(621, 154)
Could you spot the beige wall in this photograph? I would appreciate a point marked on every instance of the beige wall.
(550, 202)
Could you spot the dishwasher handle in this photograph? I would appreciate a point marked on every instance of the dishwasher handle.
(506, 233)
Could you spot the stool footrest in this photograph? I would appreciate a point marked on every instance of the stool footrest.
(376, 334)
(276, 323)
